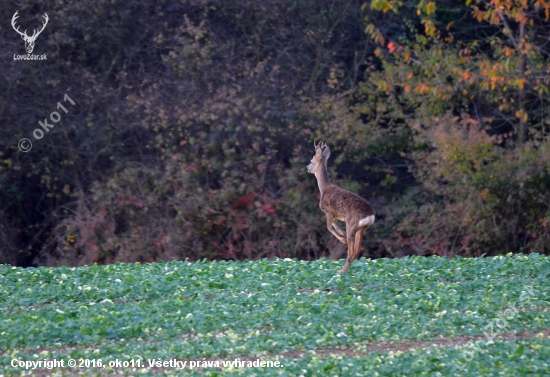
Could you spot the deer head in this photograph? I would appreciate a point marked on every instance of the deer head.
(29, 41)
(322, 153)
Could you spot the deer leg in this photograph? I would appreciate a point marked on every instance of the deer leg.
(340, 231)
(330, 222)
(351, 249)
(357, 245)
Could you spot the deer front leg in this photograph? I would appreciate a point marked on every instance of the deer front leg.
(330, 223)
(340, 231)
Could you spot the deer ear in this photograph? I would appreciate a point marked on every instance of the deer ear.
(326, 151)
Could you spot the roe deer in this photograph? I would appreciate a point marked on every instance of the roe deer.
(340, 204)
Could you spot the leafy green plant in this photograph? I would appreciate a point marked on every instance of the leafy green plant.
(277, 308)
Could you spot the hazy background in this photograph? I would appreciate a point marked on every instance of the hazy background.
(194, 120)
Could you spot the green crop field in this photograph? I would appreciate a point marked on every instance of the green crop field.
(386, 317)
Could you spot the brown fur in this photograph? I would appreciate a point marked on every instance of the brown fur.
(339, 201)
(340, 204)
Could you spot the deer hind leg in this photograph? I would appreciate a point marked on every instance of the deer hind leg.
(351, 249)
(358, 236)
(330, 223)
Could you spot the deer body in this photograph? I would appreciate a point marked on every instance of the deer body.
(340, 204)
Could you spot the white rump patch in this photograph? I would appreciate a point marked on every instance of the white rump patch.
(366, 221)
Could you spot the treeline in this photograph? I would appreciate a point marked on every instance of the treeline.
(194, 120)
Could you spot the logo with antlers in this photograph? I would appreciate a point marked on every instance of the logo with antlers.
(29, 40)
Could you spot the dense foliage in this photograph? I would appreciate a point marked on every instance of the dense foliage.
(276, 308)
(194, 121)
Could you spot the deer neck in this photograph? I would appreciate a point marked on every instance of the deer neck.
(322, 178)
